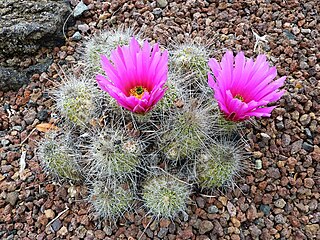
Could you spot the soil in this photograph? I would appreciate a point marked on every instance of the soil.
(278, 199)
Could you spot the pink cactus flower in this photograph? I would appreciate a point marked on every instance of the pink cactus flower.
(243, 87)
(136, 76)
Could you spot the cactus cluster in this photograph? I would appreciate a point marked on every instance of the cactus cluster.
(191, 57)
(114, 156)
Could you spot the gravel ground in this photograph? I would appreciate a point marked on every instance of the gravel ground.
(279, 199)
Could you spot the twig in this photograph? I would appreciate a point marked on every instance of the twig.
(23, 160)
(27, 136)
(208, 196)
(49, 223)
(145, 229)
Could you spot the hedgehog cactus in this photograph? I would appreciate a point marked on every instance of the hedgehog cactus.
(172, 94)
(114, 155)
(59, 157)
(219, 165)
(165, 196)
(103, 44)
(111, 200)
(190, 59)
(78, 100)
(186, 130)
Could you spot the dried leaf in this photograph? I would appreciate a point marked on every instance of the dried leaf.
(46, 127)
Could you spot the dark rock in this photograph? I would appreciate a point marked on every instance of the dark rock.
(289, 35)
(308, 133)
(13, 79)
(43, 115)
(296, 146)
(162, 232)
(27, 26)
(217, 229)
(307, 146)
(265, 209)
(56, 225)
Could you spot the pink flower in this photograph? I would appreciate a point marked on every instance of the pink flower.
(136, 76)
(243, 87)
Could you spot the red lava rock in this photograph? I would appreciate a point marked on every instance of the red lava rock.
(164, 223)
(49, 188)
(186, 234)
(205, 226)
(43, 220)
(21, 101)
(235, 237)
(289, 159)
(308, 182)
(251, 213)
(99, 234)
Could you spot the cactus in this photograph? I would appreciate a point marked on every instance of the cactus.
(165, 196)
(227, 127)
(104, 43)
(219, 165)
(59, 157)
(111, 200)
(190, 59)
(78, 100)
(186, 130)
(114, 155)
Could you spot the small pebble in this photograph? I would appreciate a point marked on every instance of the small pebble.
(76, 36)
(213, 209)
(79, 9)
(280, 203)
(258, 164)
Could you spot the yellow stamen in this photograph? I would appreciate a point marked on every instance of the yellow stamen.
(137, 91)
(238, 96)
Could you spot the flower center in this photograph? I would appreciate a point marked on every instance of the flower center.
(238, 96)
(137, 91)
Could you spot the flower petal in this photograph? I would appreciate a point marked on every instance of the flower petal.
(135, 67)
(243, 90)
